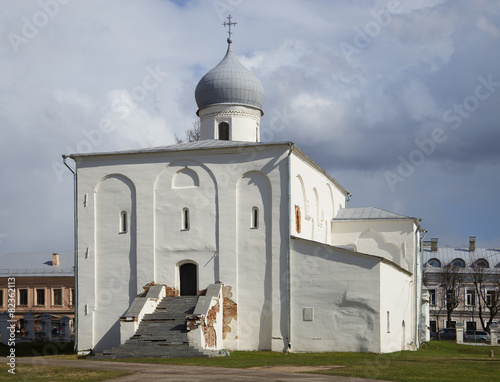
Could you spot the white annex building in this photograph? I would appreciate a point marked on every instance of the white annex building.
(257, 229)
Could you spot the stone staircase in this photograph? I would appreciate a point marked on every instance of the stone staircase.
(162, 334)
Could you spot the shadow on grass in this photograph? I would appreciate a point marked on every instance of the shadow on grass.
(39, 349)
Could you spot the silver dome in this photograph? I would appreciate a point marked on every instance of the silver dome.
(229, 83)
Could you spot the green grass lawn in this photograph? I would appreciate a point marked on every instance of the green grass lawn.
(41, 373)
(435, 361)
(37, 373)
(30, 349)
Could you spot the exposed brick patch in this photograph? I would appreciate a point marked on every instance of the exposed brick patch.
(230, 311)
(298, 221)
(146, 289)
(170, 292)
(192, 323)
(208, 327)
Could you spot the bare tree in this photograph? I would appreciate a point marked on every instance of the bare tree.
(451, 279)
(470, 304)
(487, 285)
(448, 282)
(192, 135)
(443, 281)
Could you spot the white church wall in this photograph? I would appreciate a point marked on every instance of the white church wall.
(392, 239)
(115, 221)
(115, 278)
(86, 287)
(397, 309)
(272, 164)
(213, 248)
(185, 221)
(254, 256)
(317, 198)
(331, 309)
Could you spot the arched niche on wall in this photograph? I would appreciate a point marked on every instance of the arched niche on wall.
(185, 178)
(254, 254)
(186, 217)
(115, 255)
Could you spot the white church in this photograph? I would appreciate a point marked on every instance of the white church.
(256, 229)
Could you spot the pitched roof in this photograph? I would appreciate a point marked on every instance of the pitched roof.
(446, 255)
(209, 144)
(367, 213)
(17, 264)
(205, 144)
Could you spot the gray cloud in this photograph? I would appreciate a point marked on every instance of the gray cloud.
(358, 87)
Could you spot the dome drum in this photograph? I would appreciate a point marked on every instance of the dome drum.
(243, 122)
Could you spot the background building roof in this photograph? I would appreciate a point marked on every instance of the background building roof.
(367, 213)
(446, 255)
(17, 264)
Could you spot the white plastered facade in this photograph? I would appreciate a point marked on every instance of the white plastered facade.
(221, 187)
(260, 218)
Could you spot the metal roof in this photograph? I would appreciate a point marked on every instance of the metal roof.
(229, 83)
(205, 144)
(16, 264)
(446, 255)
(367, 213)
(209, 144)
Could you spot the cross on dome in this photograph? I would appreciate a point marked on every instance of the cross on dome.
(229, 31)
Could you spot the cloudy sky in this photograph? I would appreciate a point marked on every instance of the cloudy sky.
(398, 100)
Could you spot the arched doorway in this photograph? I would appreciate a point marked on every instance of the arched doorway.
(188, 275)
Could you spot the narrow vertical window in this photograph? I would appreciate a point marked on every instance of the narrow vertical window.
(388, 322)
(255, 218)
(57, 296)
(224, 131)
(185, 219)
(470, 297)
(1, 298)
(432, 296)
(490, 298)
(123, 222)
(23, 296)
(40, 297)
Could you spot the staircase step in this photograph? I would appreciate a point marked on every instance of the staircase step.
(161, 334)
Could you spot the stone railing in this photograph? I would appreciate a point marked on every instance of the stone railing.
(130, 321)
(48, 330)
(494, 334)
(205, 325)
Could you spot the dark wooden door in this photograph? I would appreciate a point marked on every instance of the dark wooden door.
(188, 275)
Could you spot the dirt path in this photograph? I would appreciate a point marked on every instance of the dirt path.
(174, 373)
